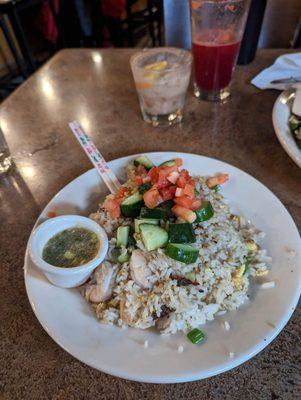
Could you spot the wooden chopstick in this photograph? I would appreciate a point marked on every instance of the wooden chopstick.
(95, 157)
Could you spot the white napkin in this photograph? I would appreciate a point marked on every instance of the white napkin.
(285, 66)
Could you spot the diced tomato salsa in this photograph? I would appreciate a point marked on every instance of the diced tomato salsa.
(152, 198)
(168, 193)
(167, 182)
(171, 183)
(138, 180)
(113, 207)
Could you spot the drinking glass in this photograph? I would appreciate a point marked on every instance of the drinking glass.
(161, 77)
(5, 159)
(217, 28)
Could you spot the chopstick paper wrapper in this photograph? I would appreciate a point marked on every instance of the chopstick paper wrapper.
(95, 157)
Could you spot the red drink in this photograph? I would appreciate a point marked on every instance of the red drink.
(217, 28)
(214, 64)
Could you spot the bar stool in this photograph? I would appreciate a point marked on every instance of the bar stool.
(150, 17)
(11, 8)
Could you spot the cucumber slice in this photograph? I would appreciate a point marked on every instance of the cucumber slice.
(131, 241)
(123, 235)
(153, 213)
(123, 258)
(205, 212)
(169, 163)
(182, 252)
(144, 188)
(181, 233)
(167, 206)
(153, 237)
(145, 161)
(131, 206)
(138, 222)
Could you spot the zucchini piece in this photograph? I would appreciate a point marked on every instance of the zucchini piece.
(145, 161)
(123, 258)
(153, 237)
(144, 188)
(138, 222)
(169, 163)
(153, 213)
(205, 212)
(131, 206)
(182, 252)
(181, 233)
(123, 235)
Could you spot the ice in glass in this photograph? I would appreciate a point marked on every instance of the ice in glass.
(161, 77)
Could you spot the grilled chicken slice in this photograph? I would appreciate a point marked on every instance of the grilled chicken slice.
(139, 270)
(102, 289)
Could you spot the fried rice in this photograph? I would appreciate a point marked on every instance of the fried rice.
(180, 297)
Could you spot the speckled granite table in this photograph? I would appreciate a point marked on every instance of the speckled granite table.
(96, 88)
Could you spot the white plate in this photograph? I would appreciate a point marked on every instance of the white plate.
(69, 320)
(281, 113)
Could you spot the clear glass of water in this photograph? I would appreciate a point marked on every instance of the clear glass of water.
(5, 158)
(161, 77)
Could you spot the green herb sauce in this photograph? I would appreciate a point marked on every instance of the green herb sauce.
(71, 248)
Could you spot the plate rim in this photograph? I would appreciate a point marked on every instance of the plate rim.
(275, 118)
(228, 365)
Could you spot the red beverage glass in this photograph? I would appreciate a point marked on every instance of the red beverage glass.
(217, 29)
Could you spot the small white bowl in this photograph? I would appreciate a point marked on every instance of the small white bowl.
(66, 277)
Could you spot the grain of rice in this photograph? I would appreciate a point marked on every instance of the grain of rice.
(226, 325)
(180, 349)
(268, 285)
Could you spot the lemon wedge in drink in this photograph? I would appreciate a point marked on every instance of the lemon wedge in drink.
(154, 68)
(157, 66)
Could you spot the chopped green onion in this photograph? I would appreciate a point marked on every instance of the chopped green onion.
(196, 336)
(217, 188)
(247, 261)
(205, 212)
